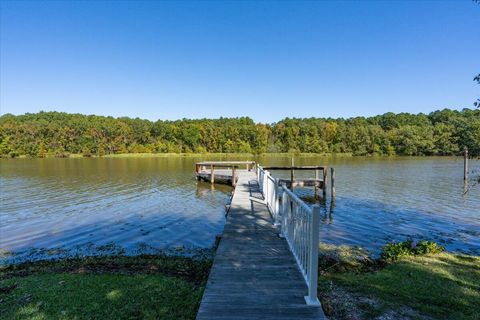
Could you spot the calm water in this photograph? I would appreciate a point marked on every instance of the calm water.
(58, 207)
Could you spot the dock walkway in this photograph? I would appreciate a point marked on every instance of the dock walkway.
(254, 274)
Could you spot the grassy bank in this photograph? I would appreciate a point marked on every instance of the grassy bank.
(145, 287)
(352, 285)
(438, 286)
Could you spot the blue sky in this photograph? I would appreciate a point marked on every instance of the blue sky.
(267, 60)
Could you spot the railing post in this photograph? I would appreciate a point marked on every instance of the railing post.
(276, 206)
(312, 299)
(265, 185)
(283, 230)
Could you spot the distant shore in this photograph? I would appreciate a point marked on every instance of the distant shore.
(191, 154)
(442, 132)
(226, 155)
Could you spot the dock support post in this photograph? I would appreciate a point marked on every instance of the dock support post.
(312, 299)
(465, 164)
(233, 176)
(315, 188)
(212, 175)
(324, 183)
(292, 174)
(332, 178)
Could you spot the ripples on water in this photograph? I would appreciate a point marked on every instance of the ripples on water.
(55, 207)
(382, 200)
(84, 204)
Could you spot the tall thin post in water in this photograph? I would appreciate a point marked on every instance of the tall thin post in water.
(325, 173)
(212, 174)
(315, 188)
(465, 165)
(332, 178)
(292, 174)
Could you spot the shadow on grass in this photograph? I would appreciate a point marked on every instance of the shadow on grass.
(146, 287)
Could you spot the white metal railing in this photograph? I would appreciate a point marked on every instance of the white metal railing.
(269, 189)
(299, 225)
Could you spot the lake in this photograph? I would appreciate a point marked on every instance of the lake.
(53, 208)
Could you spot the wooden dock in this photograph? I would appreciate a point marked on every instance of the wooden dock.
(254, 274)
(228, 173)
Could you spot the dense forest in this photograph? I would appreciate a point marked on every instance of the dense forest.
(444, 132)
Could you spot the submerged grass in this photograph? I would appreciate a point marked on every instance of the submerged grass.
(146, 287)
(438, 286)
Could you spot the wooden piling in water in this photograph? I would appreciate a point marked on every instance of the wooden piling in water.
(332, 184)
(324, 184)
(212, 174)
(233, 175)
(292, 174)
(465, 164)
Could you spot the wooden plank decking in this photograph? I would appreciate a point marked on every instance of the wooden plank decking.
(254, 274)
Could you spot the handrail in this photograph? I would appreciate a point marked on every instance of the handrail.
(299, 225)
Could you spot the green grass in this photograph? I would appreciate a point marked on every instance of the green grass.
(146, 287)
(442, 286)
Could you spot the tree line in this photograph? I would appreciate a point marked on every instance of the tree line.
(443, 132)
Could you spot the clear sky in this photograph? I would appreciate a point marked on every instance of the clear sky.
(267, 60)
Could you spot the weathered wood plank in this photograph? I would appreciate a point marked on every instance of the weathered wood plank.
(254, 275)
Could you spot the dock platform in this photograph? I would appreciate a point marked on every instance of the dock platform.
(228, 173)
(254, 274)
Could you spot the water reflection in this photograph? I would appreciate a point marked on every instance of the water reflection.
(156, 203)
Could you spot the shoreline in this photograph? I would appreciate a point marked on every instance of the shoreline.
(228, 155)
(351, 285)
